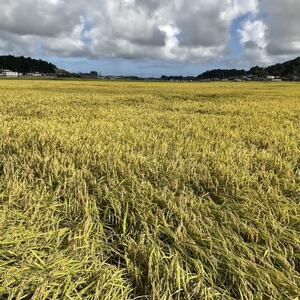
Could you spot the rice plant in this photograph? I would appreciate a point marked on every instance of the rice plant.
(119, 190)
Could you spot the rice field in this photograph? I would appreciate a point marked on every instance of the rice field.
(124, 190)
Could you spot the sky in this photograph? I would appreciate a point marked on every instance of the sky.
(151, 37)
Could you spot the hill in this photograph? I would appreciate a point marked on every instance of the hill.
(26, 65)
(287, 70)
(219, 73)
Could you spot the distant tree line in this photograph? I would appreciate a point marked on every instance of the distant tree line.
(222, 74)
(288, 70)
(26, 65)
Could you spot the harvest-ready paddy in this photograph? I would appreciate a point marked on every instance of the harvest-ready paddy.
(119, 190)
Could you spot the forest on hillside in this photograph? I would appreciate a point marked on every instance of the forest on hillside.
(26, 65)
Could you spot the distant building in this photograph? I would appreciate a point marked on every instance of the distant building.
(271, 77)
(35, 74)
(50, 75)
(9, 73)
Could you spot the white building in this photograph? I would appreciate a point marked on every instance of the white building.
(35, 74)
(9, 73)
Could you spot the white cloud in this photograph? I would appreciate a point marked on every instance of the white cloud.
(273, 35)
(72, 45)
(162, 29)
(283, 23)
(181, 30)
(254, 32)
(236, 8)
(253, 38)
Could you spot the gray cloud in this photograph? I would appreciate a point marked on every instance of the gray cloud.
(273, 34)
(283, 23)
(181, 30)
(38, 17)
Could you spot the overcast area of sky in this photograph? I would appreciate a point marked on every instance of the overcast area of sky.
(151, 37)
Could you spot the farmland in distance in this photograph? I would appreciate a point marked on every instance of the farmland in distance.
(126, 190)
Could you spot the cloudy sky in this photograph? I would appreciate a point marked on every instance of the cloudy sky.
(151, 37)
